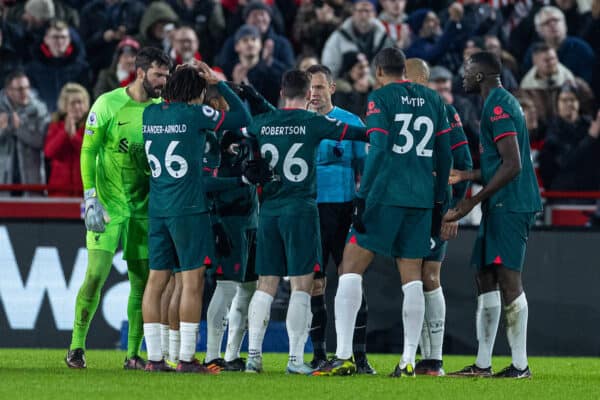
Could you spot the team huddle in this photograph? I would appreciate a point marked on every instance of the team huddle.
(176, 181)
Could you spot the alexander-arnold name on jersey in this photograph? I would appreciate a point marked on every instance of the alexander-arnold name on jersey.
(160, 129)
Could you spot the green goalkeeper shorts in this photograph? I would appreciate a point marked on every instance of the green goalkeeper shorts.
(131, 232)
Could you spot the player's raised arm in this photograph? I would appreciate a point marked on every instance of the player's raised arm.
(256, 101)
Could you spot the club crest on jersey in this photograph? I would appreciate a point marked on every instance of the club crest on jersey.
(372, 108)
(210, 113)
(92, 119)
(499, 114)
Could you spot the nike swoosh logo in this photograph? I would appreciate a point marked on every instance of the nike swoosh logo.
(123, 123)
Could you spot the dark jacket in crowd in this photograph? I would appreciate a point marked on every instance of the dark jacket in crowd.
(49, 74)
(444, 49)
(569, 158)
(97, 17)
(156, 12)
(10, 58)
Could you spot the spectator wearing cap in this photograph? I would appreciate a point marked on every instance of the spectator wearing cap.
(156, 23)
(314, 23)
(257, 14)
(440, 80)
(394, 18)
(62, 146)
(104, 23)
(433, 44)
(122, 70)
(256, 65)
(207, 19)
(362, 33)
(55, 63)
(569, 158)
(573, 52)
(355, 83)
(23, 122)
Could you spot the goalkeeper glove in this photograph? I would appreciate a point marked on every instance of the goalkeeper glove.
(95, 216)
(257, 172)
(223, 243)
(357, 213)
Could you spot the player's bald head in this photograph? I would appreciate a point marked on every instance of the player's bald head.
(417, 71)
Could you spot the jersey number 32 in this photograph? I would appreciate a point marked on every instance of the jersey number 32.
(421, 121)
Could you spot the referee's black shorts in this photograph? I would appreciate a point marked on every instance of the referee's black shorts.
(335, 220)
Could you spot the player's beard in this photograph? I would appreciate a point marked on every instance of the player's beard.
(152, 91)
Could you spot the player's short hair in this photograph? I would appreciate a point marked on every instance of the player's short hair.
(321, 69)
(149, 56)
(391, 60)
(184, 85)
(540, 47)
(14, 74)
(295, 84)
(489, 61)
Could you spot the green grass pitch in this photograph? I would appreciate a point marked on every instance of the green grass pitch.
(42, 374)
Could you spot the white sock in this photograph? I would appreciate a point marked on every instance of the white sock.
(259, 313)
(298, 322)
(347, 303)
(238, 319)
(174, 345)
(152, 335)
(435, 318)
(216, 317)
(189, 338)
(164, 340)
(425, 341)
(516, 330)
(413, 311)
(486, 320)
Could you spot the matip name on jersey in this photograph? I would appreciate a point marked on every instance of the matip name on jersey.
(160, 129)
(413, 101)
(283, 130)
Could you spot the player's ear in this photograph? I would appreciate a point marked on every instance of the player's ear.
(307, 95)
(332, 87)
(479, 77)
(140, 74)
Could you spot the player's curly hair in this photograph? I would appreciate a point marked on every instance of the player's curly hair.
(184, 85)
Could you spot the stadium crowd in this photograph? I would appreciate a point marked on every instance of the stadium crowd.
(57, 55)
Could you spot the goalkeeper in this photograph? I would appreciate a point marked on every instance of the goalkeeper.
(116, 200)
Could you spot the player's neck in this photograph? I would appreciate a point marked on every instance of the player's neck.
(326, 109)
(294, 103)
(137, 92)
(388, 79)
(488, 86)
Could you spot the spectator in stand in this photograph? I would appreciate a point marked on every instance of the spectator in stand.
(362, 33)
(207, 19)
(544, 80)
(355, 84)
(34, 8)
(479, 18)
(156, 23)
(573, 17)
(10, 59)
(569, 158)
(440, 80)
(258, 14)
(537, 131)
(393, 18)
(55, 63)
(256, 65)
(573, 52)
(235, 14)
(306, 61)
(315, 22)
(492, 44)
(104, 23)
(23, 122)
(432, 44)
(64, 139)
(122, 71)
(185, 46)
(591, 34)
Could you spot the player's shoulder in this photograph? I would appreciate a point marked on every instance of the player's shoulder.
(500, 101)
(114, 97)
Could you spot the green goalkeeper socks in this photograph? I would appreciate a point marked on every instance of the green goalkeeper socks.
(138, 275)
(99, 265)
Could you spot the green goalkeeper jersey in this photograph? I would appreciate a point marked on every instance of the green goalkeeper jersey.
(110, 153)
(289, 139)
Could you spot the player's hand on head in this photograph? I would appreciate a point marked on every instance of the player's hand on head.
(449, 230)
(207, 73)
(95, 216)
(357, 214)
